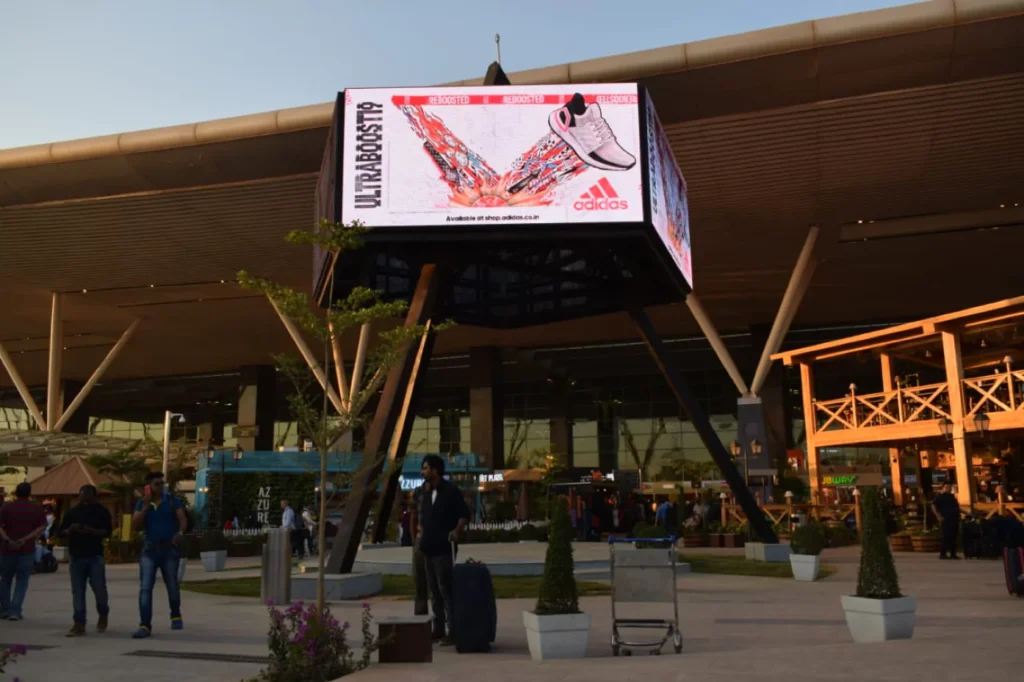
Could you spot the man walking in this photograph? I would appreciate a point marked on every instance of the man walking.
(86, 526)
(21, 522)
(444, 515)
(289, 524)
(310, 530)
(160, 514)
(947, 509)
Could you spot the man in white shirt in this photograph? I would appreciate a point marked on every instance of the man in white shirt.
(288, 524)
(310, 530)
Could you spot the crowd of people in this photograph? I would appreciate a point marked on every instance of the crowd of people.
(159, 515)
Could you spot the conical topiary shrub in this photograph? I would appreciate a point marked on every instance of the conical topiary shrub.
(558, 589)
(876, 578)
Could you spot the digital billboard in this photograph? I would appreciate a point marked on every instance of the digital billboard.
(670, 213)
(466, 157)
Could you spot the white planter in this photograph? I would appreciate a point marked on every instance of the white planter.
(751, 550)
(213, 562)
(805, 567)
(60, 554)
(561, 636)
(879, 620)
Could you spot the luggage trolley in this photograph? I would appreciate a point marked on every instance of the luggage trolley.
(644, 575)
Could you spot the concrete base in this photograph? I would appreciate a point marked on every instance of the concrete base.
(337, 586)
(775, 554)
(880, 620)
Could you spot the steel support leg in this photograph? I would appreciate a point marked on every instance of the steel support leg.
(400, 439)
(389, 407)
(701, 424)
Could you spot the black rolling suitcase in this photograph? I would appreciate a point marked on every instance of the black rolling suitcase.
(474, 608)
(972, 539)
(1013, 561)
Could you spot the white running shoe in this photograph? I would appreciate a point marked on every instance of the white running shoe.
(585, 130)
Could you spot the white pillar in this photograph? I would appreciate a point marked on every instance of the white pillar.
(26, 396)
(711, 334)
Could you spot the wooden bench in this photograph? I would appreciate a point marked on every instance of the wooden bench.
(405, 639)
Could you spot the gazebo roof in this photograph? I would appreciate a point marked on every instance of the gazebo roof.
(68, 477)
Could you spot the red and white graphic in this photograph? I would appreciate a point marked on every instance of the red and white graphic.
(601, 197)
(670, 211)
(436, 156)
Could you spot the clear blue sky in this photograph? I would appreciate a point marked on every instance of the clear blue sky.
(74, 68)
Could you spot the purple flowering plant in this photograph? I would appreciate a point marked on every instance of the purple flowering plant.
(311, 645)
(10, 655)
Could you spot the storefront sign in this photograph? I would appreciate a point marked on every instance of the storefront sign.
(494, 156)
(263, 506)
(838, 480)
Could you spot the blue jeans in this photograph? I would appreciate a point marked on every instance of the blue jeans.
(91, 570)
(16, 568)
(165, 559)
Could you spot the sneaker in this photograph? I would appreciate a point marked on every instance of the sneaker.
(77, 630)
(101, 624)
(142, 633)
(15, 617)
(586, 131)
(177, 623)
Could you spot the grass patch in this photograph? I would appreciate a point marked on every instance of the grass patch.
(737, 565)
(402, 587)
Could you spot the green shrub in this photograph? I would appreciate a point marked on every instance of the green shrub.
(652, 532)
(808, 539)
(558, 588)
(876, 578)
(213, 541)
(638, 529)
(530, 533)
(840, 536)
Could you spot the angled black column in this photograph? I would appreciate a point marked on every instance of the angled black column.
(381, 431)
(701, 424)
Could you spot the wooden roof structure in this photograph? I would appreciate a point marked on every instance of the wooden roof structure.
(67, 478)
(863, 121)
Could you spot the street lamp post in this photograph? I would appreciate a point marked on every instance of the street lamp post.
(236, 455)
(168, 416)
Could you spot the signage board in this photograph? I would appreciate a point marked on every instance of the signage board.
(492, 156)
(666, 192)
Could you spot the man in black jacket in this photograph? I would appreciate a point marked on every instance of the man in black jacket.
(443, 516)
(87, 525)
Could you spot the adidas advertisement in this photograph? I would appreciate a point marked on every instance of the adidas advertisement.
(545, 154)
(670, 213)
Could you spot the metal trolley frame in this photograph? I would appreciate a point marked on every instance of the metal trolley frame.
(644, 575)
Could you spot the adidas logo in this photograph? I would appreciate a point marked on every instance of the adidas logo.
(601, 197)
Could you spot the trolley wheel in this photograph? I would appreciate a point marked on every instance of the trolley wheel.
(615, 649)
(677, 642)
(627, 652)
(656, 652)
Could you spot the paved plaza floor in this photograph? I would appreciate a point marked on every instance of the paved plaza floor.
(771, 629)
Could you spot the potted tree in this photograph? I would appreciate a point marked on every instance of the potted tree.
(878, 612)
(556, 628)
(806, 543)
(213, 551)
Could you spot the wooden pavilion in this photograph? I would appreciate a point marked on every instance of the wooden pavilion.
(949, 385)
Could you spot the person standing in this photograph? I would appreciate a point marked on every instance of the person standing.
(288, 524)
(444, 515)
(309, 529)
(947, 509)
(86, 525)
(161, 516)
(419, 561)
(21, 522)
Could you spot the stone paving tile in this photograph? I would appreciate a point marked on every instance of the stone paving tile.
(774, 628)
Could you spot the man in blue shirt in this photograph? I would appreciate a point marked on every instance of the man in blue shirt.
(160, 514)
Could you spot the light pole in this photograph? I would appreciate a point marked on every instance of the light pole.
(168, 416)
(738, 450)
(236, 455)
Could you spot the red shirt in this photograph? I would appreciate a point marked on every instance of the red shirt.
(18, 519)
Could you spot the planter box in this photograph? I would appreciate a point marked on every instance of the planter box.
(805, 567)
(213, 562)
(752, 549)
(694, 541)
(733, 540)
(60, 554)
(926, 543)
(880, 620)
(716, 540)
(900, 543)
(759, 551)
(554, 637)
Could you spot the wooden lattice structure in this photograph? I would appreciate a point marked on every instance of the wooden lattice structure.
(974, 351)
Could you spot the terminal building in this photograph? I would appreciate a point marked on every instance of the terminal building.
(844, 175)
